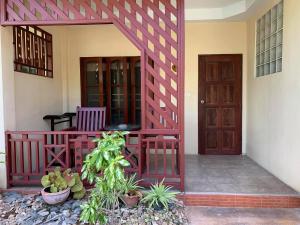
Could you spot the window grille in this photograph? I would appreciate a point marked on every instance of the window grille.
(33, 51)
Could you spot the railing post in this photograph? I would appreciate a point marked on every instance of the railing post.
(140, 156)
(2, 11)
(8, 159)
(68, 155)
(45, 153)
(181, 162)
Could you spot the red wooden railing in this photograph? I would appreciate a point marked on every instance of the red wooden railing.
(31, 154)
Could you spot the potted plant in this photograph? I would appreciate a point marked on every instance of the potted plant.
(160, 196)
(58, 186)
(131, 195)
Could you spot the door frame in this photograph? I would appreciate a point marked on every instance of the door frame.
(201, 70)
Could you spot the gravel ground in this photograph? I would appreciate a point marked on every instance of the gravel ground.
(31, 210)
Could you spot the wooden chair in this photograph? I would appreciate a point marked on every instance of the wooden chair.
(89, 119)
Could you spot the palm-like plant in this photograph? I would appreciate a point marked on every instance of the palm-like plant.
(160, 195)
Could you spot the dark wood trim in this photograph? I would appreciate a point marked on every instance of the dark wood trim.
(101, 82)
(201, 69)
(125, 86)
(132, 87)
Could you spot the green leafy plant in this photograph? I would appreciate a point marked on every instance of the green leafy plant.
(75, 183)
(159, 195)
(58, 181)
(104, 166)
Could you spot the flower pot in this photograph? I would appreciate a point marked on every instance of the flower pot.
(132, 198)
(55, 198)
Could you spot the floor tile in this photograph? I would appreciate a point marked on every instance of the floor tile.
(228, 174)
(239, 216)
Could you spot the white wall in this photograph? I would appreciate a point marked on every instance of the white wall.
(273, 119)
(7, 94)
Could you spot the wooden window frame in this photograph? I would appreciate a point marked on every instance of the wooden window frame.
(33, 48)
(129, 118)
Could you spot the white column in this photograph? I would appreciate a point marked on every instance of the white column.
(7, 93)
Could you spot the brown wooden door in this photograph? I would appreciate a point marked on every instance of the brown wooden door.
(220, 104)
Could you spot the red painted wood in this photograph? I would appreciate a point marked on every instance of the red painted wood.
(159, 35)
(65, 142)
(85, 114)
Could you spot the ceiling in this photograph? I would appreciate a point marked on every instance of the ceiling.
(191, 4)
(199, 10)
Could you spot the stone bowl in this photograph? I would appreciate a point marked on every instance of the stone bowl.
(55, 198)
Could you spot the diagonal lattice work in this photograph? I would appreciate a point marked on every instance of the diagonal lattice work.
(154, 26)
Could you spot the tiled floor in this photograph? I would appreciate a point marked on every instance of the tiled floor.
(230, 174)
(238, 216)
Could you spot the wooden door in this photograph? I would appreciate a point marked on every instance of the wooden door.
(220, 104)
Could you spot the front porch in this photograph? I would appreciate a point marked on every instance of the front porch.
(227, 181)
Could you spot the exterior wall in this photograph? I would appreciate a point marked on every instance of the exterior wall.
(209, 38)
(7, 94)
(273, 103)
(37, 96)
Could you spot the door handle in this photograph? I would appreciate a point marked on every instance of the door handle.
(202, 101)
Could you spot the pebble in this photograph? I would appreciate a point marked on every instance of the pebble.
(66, 213)
(31, 210)
(43, 213)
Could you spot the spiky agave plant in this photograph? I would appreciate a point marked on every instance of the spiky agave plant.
(159, 195)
